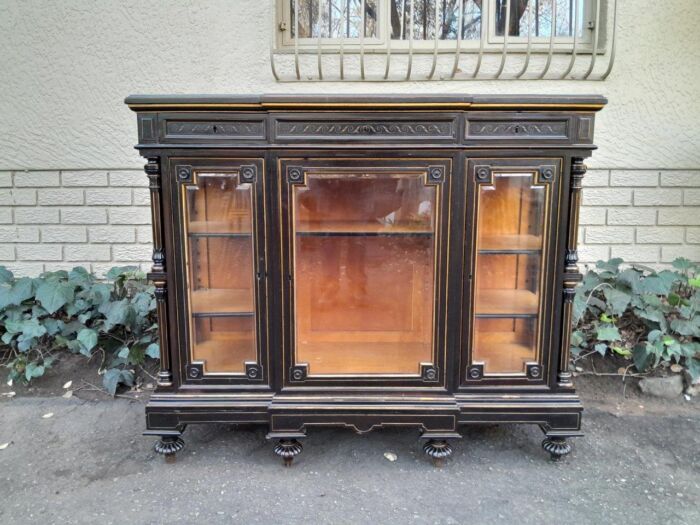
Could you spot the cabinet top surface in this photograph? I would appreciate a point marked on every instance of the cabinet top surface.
(366, 102)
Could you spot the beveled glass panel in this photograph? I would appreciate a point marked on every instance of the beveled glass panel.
(219, 225)
(364, 273)
(508, 278)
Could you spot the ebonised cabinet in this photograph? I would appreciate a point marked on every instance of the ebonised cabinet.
(365, 261)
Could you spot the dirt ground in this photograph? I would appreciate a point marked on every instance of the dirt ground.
(639, 463)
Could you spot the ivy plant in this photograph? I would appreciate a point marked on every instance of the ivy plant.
(75, 311)
(650, 317)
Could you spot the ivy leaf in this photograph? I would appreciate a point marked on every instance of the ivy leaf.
(20, 291)
(114, 376)
(100, 293)
(118, 313)
(693, 366)
(682, 264)
(642, 357)
(684, 327)
(579, 309)
(617, 300)
(5, 275)
(33, 370)
(694, 282)
(88, 338)
(79, 274)
(613, 265)
(690, 349)
(674, 299)
(605, 318)
(608, 332)
(655, 285)
(667, 340)
(653, 336)
(118, 271)
(27, 327)
(153, 350)
(137, 354)
(601, 348)
(54, 294)
(53, 326)
(621, 351)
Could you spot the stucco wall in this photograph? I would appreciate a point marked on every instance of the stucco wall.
(65, 68)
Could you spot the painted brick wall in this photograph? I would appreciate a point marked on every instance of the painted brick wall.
(99, 219)
(53, 220)
(643, 216)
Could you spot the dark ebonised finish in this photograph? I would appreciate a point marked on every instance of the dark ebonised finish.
(458, 143)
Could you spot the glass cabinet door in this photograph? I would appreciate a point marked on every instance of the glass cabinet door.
(219, 207)
(511, 211)
(364, 245)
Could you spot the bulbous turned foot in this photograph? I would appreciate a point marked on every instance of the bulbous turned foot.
(288, 449)
(557, 447)
(168, 446)
(438, 450)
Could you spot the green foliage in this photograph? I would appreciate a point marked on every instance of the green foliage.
(76, 312)
(650, 317)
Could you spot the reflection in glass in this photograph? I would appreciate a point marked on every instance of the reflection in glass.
(364, 273)
(220, 268)
(510, 233)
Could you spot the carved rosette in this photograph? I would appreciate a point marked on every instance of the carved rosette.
(571, 274)
(158, 271)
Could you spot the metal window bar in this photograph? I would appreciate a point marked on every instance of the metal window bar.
(487, 51)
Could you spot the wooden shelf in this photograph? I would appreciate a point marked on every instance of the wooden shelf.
(328, 228)
(502, 358)
(225, 355)
(223, 301)
(363, 358)
(510, 244)
(505, 303)
(220, 228)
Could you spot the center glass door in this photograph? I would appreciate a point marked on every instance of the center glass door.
(364, 247)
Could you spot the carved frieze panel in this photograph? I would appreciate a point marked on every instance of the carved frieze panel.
(518, 129)
(413, 130)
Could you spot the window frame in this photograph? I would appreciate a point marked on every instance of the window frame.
(492, 43)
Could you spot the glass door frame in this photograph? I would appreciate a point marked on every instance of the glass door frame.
(183, 172)
(437, 171)
(547, 172)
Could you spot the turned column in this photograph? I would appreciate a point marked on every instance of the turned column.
(571, 274)
(158, 273)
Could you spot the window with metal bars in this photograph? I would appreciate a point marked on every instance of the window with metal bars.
(378, 21)
(545, 36)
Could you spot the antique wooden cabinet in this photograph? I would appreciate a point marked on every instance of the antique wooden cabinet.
(365, 261)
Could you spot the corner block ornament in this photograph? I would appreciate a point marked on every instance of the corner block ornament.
(253, 371)
(184, 173)
(249, 173)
